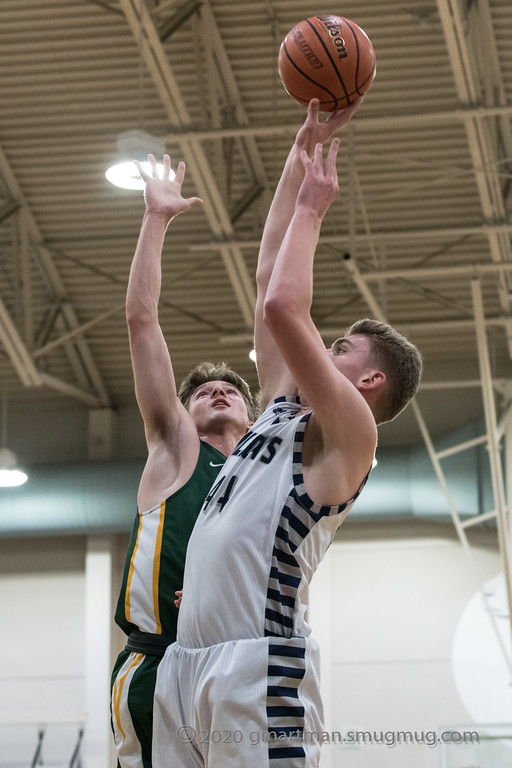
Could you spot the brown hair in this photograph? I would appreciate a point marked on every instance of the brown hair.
(398, 358)
(204, 372)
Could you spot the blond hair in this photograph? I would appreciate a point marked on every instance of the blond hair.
(206, 371)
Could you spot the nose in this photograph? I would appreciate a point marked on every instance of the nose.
(218, 389)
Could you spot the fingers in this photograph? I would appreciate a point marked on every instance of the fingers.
(318, 156)
(315, 130)
(177, 179)
(313, 109)
(167, 166)
(152, 162)
(142, 173)
(330, 163)
(318, 153)
(153, 174)
(342, 117)
(194, 201)
(317, 162)
(180, 175)
(180, 172)
(306, 160)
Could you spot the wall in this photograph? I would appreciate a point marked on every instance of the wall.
(385, 604)
(56, 617)
(41, 644)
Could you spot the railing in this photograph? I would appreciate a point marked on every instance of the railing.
(53, 742)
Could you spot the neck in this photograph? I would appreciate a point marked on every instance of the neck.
(225, 443)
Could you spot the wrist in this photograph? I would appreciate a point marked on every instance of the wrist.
(309, 214)
(157, 217)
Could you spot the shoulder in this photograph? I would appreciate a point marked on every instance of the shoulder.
(284, 406)
(169, 465)
(334, 470)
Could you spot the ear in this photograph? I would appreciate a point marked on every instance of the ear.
(372, 380)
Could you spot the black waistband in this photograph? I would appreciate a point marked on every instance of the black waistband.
(150, 645)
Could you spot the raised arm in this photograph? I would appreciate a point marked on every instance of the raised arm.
(155, 386)
(272, 371)
(344, 424)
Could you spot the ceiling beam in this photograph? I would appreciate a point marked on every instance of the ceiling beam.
(391, 236)
(361, 120)
(467, 29)
(187, 9)
(16, 350)
(416, 328)
(53, 280)
(431, 272)
(195, 157)
(24, 366)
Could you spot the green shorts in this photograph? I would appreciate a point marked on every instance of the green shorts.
(132, 695)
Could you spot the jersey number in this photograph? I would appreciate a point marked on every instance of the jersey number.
(222, 500)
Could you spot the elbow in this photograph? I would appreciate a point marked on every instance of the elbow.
(139, 316)
(279, 309)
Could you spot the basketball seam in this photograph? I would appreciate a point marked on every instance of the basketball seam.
(368, 78)
(307, 77)
(358, 84)
(342, 82)
(357, 59)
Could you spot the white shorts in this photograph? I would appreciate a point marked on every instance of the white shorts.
(240, 704)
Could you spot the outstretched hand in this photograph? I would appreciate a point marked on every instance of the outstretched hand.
(320, 185)
(163, 195)
(313, 131)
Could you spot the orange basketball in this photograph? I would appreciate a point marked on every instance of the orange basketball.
(329, 58)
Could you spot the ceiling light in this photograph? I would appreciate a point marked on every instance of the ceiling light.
(135, 145)
(10, 473)
(252, 355)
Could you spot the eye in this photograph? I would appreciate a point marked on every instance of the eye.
(340, 347)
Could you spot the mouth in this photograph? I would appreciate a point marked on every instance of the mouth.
(220, 402)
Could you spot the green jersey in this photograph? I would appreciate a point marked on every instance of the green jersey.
(156, 552)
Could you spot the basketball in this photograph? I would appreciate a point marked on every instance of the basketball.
(329, 58)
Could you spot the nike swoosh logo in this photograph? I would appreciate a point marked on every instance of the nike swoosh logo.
(216, 465)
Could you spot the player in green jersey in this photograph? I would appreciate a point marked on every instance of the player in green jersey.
(189, 434)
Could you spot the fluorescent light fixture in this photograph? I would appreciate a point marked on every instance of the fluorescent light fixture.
(252, 355)
(135, 145)
(126, 175)
(10, 474)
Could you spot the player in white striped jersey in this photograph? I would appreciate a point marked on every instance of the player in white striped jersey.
(244, 664)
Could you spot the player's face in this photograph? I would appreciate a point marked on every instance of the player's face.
(351, 356)
(216, 403)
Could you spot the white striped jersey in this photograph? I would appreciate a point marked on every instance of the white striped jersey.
(258, 539)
